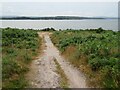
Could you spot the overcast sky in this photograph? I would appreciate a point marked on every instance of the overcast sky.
(108, 9)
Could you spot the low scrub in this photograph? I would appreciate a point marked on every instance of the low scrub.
(18, 46)
(96, 53)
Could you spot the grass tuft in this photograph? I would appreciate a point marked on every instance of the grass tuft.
(63, 78)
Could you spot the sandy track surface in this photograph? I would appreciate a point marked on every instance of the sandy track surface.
(42, 73)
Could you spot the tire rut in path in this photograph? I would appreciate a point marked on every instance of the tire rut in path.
(43, 75)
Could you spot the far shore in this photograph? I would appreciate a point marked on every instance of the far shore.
(52, 18)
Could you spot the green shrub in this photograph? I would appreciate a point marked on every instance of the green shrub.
(101, 48)
(99, 30)
(16, 43)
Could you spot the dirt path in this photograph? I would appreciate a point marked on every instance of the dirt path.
(43, 75)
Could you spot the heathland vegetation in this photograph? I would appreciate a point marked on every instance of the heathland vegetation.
(94, 51)
(19, 47)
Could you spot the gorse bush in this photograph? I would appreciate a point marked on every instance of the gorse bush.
(99, 46)
(18, 46)
(15, 36)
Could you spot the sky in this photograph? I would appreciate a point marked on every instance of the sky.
(59, 0)
(88, 9)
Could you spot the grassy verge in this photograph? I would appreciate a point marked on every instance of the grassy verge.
(64, 80)
(19, 47)
(95, 52)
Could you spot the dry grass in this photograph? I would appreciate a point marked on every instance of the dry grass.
(93, 78)
(63, 79)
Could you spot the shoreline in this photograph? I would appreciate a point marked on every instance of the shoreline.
(53, 29)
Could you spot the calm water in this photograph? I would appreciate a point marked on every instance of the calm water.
(111, 24)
